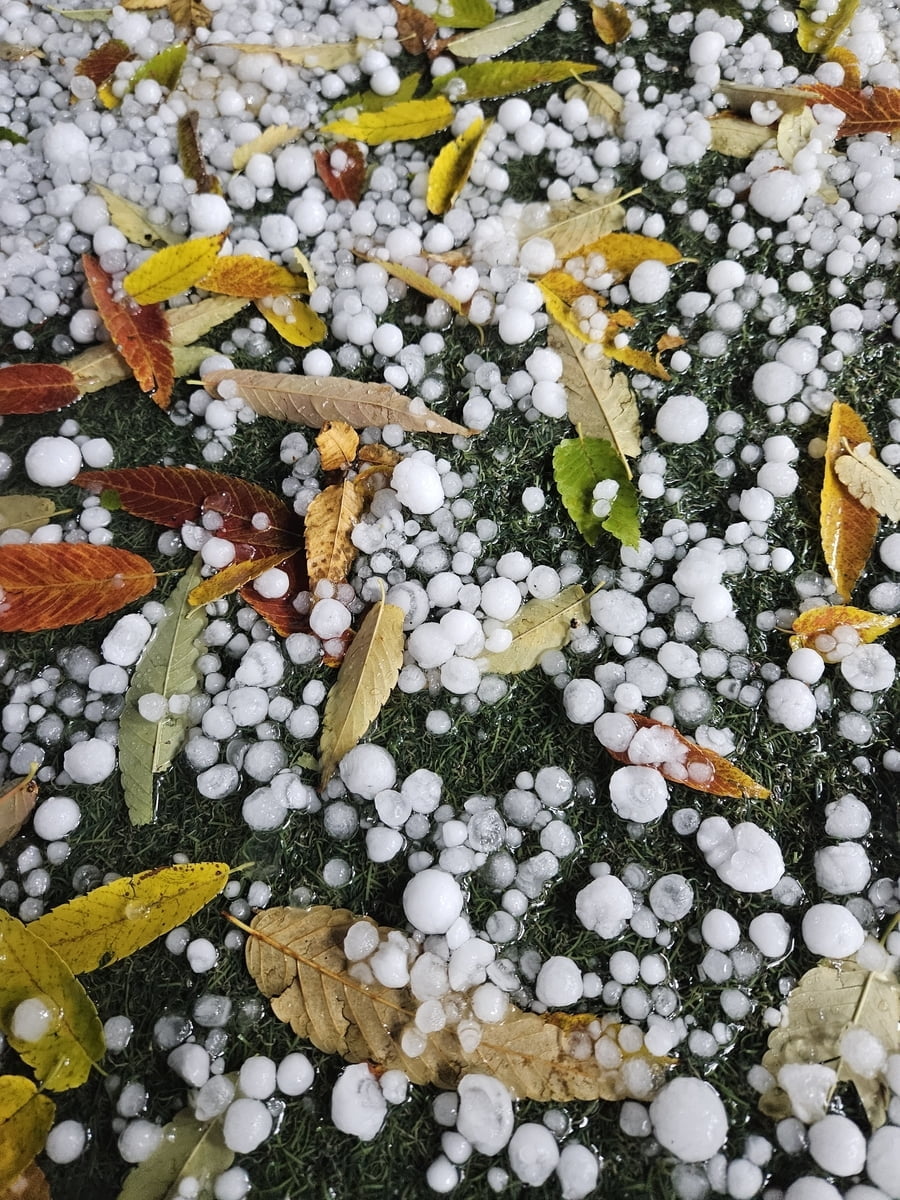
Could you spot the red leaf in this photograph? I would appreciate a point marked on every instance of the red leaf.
(280, 613)
(46, 586)
(343, 170)
(101, 63)
(874, 111)
(36, 388)
(140, 333)
(417, 33)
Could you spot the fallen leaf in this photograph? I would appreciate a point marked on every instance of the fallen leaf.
(167, 667)
(417, 33)
(742, 96)
(342, 168)
(164, 67)
(370, 101)
(272, 138)
(402, 122)
(191, 321)
(311, 400)
(63, 1055)
(15, 52)
(17, 800)
(738, 137)
(465, 14)
(364, 683)
(330, 520)
(294, 320)
(26, 1117)
(849, 64)
(25, 512)
(31, 1184)
(191, 1151)
(192, 13)
(491, 80)
(327, 56)
(36, 388)
(581, 221)
(819, 27)
(599, 402)
(8, 135)
(418, 282)
(297, 960)
(579, 464)
(382, 458)
(131, 220)
(47, 586)
(279, 611)
(117, 919)
(450, 170)
(139, 332)
(638, 360)
(337, 443)
(100, 64)
(173, 270)
(82, 14)
(234, 576)
(832, 998)
(190, 156)
(869, 481)
(498, 37)
(793, 133)
(601, 100)
(539, 626)
(848, 528)
(612, 23)
(622, 252)
(816, 621)
(683, 761)
(250, 277)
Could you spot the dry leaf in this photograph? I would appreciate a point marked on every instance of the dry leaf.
(327, 56)
(419, 282)
(417, 33)
(279, 611)
(337, 443)
(190, 156)
(192, 13)
(31, 1184)
(638, 360)
(15, 52)
(611, 22)
(600, 403)
(450, 170)
(296, 957)
(271, 138)
(99, 66)
(793, 133)
(498, 37)
(561, 291)
(364, 683)
(250, 277)
(26, 1117)
(742, 96)
(131, 220)
(294, 320)
(848, 528)
(309, 400)
(601, 100)
(25, 512)
(342, 169)
(173, 270)
(403, 122)
(235, 576)
(816, 621)
(868, 480)
(539, 626)
(849, 64)
(830, 999)
(36, 388)
(330, 520)
(738, 137)
(17, 800)
(581, 220)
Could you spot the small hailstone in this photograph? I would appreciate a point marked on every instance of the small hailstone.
(791, 704)
(126, 640)
(638, 793)
(358, 1106)
(583, 701)
(485, 1113)
(432, 901)
(368, 769)
(745, 857)
(257, 1077)
(689, 1119)
(831, 931)
(32, 1018)
(247, 1124)
(191, 1062)
(869, 668)
(842, 870)
(233, 1184)
(533, 1153)
(776, 383)
(295, 1074)
(771, 934)
(418, 485)
(138, 1140)
(577, 1171)
(52, 461)
(90, 761)
(65, 1142)
(720, 930)
(605, 906)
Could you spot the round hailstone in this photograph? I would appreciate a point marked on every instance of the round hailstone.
(810, 1187)
(605, 906)
(56, 818)
(583, 701)
(52, 461)
(618, 612)
(689, 1119)
(831, 931)
(577, 1171)
(90, 761)
(367, 770)
(869, 668)
(500, 598)
(247, 1124)
(837, 1145)
(638, 793)
(294, 1075)
(418, 485)
(559, 982)
(776, 383)
(682, 420)
(777, 195)
(358, 1105)
(32, 1018)
(432, 901)
(485, 1115)
(533, 1153)
(882, 1158)
(649, 281)
(791, 704)
(843, 870)
(65, 1142)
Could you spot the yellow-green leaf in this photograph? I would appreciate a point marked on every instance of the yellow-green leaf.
(190, 1150)
(26, 1117)
(818, 37)
(173, 270)
(579, 464)
(502, 35)
(464, 14)
(131, 220)
(61, 1056)
(164, 67)
(539, 626)
(118, 918)
(25, 512)
(403, 122)
(451, 168)
(370, 101)
(234, 576)
(561, 291)
(83, 14)
(293, 319)
(638, 360)
(491, 80)
(738, 137)
(794, 132)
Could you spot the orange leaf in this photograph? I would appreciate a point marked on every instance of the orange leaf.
(330, 520)
(279, 612)
(234, 576)
(36, 388)
(849, 63)
(189, 153)
(847, 527)
(17, 803)
(47, 586)
(140, 333)
(876, 110)
(343, 170)
(250, 277)
(337, 443)
(669, 341)
(611, 22)
(101, 63)
(815, 621)
(683, 761)
(417, 33)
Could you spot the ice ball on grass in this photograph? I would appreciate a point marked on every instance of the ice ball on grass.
(837, 1145)
(649, 281)
(605, 906)
(138, 1140)
(65, 1142)
(90, 761)
(577, 1171)
(533, 1153)
(432, 901)
(810, 1187)
(791, 704)
(682, 420)
(358, 1105)
(247, 1124)
(869, 668)
(418, 485)
(485, 1113)
(559, 983)
(124, 643)
(882, 1158)
(843, 870)
(831, 931)
(777, 195)
(638, 793)
(52, 461)
(294, 1075)
(56, 818)
(367, 770)
(744, 857)
(689, 1119)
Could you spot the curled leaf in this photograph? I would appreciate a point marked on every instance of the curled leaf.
(279, 611)
(847, 526)
(235, 576)
(818, 27)
(539, 626)
(190, 155)
(271, 138)
(451, 168)
(824, 620)
(611, 22)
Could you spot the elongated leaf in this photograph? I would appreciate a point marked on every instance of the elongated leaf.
(190, 1150)
(140, 333)
(297, 323)
(370, 101)
(296, 957)
(271, 138)
(167, 667)
(683, 761)
(599, 402)
(601, 100)
(737, 137)
(848, 528)
(819, 36)
(46, 586)
(17, 800)
(403, 122)
(491, 80)
(451, 168)
(365, 681)
(26, 1117)
(579, 464)
(249, 277)
(638, 360)
(62, 1056)
(582, 220)
(622, 252)
(131, 220)
(190, 155)
(869, 481)
(279, 611)
(816, 621)
(164, 67)
(117, 919)
(330, 520)
(25, 512)
(327, 56)
(233, 577)
(36, 388)
(829, 1000)
(173, 270)
(742, 96)
(498, 37)
(419, 282)
(309, 400)
(465, 14)
(539, 626)
(9, 135)
(82, 14)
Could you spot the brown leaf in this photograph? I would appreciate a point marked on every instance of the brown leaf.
(875, 110)
(378, 455)
(342, 169)
(36, 388)
(612, 23)
(330, 520)
(101, 63)
(192, 13)
(337, 443)
(190, 156)
(140, 333)
(46, 586)
(17, 801)
(417, 33)
(810, 625)
(847, 527)
(279, 612)
(30, 1185)
(296, 957)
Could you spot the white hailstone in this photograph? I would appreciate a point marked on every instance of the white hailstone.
(56, 817)
(432, 901)
(537, 255)
(638, 793)
(52, 461)
(649, 281)
(618, 612)
(882, 1157)
(843, 870)
(485, 1113)
(776, 383)
(713, 603)
(233, 1184)
(777, 195)
(682, 420)
(583, 701)
(559, 982)
(805, 664)
(329, 618)
(770, 934)
(460, 676)
(533, 1153)
(808, 1087)
(418, 485)
(889, 552)
(90, 761)
(706, 48)
(720, 930)
(65, 1142)
(791, 704)
(864, 1053)
(847, 817)
(577, 1171)
(208, 213)
(869, 668)
(246, 1126)
(500, 598)
(671, 897)
(190, 1061)
(367, 770)
(261, 666)
(32, 1018)
(295, 1074)
(689, 1119)
(745, 858)
(256, 1078)
(756, 504)
(138, 1140)
(837, 1145)
(358, 1105)
(126, 640)
(605, 906)
(810, 1187)
(831, 931)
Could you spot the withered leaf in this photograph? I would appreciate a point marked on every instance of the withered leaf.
(17, 800)
(600, 403)
(100, 64)
(869, 481)
(848, 527)
(330, 520)
(36, 388)
(539, 626)
(25, 512)
(342, 168)
(189, 153)
(337, 443)
(581, 220)
(279, 611)
(738, 137)
(814, 622)
(235, 576)
(611, 22)
(417, 33)
(26, 1116)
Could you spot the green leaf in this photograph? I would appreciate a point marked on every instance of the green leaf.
(490, 80)
(83, 14)
(818, 37)
(370, 102)
(579, 464)
(7, 135)
(464, 14)
(164, 67)
(502, 35)
(539, 626)
(25, 512)
(167, 667)
(189, 1149)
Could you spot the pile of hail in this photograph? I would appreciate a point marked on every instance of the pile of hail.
(534, 879)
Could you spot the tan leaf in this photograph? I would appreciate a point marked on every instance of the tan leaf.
(814, 622)
(818, 36)
(868, 480)
(601, 100)
(611, 22)
(581, 220)
(417, 33)
(17, 800)
(829, 1000)
(847, 526)
(271, 138)
(849, 64)
(296, 957)
(365, 681)
(380, 456)
(31, 1184)
(794, 132)
(742, 96)
(25, 512)
(337, 443)
(737, 137)
(418, 282)
(309, 400)
(600, 402)
(192, 13)
(330, 520)
(539, 626)
(131, 220)
(327, 56)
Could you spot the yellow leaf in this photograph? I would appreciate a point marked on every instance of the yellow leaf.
(271, 138)
(452, 167)
(131, 220)
(303, 264)
(819, 36)
(849, 64)
(330, 520)
(326, 56)
(794, 132)
(600, 403)
(234, 576)
(869, 481)
(623, 251)
(25, 512)
(118, 918)
(337, 443)
(581, 220)
(539, 626)
(639, 360)
(294, 320)
(26, 1116)
(848, 527)
(498, 37)
(296, 957)
(601, 100)
(250, 277)
(72, 1041)
(401, 122)
(572, 305)
(611, 22)
(814, 622)
(173, 270)
(737, 137)
(418, 282)
(364, 683)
